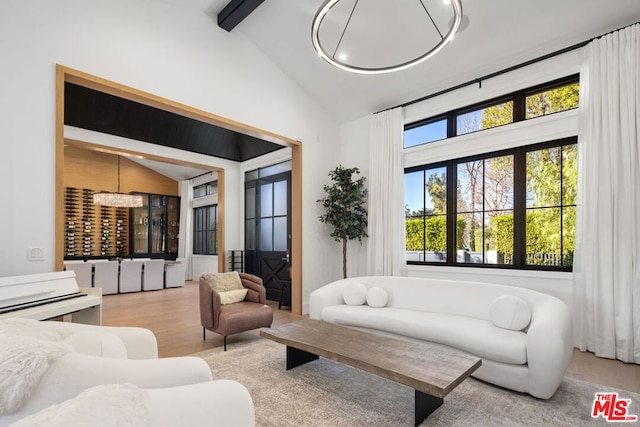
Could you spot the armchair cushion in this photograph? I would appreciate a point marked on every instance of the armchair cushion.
(236, 295)
(224, 282)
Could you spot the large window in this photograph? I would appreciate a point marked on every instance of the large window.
(205, 230)
(514, 209)
(542, 100)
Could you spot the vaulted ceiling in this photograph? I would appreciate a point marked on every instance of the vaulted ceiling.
(500, 34)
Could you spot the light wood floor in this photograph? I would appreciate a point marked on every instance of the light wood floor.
(173, 316)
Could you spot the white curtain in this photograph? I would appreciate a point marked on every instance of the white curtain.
(185, 240)
(386, 242)
(607, 253)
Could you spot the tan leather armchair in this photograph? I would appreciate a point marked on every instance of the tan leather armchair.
(251, 313)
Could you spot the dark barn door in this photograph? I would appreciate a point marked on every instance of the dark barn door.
(268, 234)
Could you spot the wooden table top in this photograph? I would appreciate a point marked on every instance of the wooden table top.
(430, 369)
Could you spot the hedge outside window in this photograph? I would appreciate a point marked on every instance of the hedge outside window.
(514, 209)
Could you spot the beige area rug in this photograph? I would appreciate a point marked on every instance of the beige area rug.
(327, 393)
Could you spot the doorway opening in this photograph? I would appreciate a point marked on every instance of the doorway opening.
(67, 75)
(268, 229)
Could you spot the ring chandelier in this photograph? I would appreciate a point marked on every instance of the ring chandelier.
(454, 26)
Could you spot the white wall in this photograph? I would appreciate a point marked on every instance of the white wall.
(355, 144)
(173, 52)
(354, 152)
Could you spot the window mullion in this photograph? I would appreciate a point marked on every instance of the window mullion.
(519, 207)
(452, 180)
(451, 125)
(519, 106)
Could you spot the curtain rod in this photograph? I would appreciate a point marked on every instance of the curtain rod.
(506, 70)
(202, 174)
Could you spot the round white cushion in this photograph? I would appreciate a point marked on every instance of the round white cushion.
(103, 344)
(510, 312)
(354, 293)
(377, 297)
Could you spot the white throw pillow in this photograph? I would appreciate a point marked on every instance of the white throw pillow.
(103, 344)
(354, 293)
(377, 297)
(230, 297)
(510, 312)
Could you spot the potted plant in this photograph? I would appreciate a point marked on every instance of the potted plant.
(344, 208)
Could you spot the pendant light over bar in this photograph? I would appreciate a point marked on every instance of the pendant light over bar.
(118, 200)
(339, 60)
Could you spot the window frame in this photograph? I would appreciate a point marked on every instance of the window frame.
(205, 231)
(210, 188)
(519, 106)
(519, 205)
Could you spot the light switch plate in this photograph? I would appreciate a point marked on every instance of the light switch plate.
(35, 254)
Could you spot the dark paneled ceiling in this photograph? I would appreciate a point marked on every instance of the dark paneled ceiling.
(94, 110)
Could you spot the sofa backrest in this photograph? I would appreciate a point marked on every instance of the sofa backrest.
(464, 298)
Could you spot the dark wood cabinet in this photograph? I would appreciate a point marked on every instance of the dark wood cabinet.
(155, 226)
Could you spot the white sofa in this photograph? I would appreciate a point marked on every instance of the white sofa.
(176, 387)
(530, 358)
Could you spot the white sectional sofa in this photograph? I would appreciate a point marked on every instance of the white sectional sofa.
(100, 368)
(523, 337)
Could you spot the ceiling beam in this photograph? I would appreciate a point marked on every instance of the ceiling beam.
(235, 12)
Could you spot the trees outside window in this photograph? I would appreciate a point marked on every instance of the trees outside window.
(515, 208)
(538, 101)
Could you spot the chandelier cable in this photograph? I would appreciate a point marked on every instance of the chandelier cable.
(345, 28)
(325, 8)
(431, 18)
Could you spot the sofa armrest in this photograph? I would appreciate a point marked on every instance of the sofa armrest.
(325, 296)
(74, 373)
(549, 346)
(257, 292)
(209, 306)
(222, 402)
(140, 343)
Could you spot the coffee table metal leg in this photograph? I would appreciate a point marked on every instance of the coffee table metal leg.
(425, 405)
(297, 357)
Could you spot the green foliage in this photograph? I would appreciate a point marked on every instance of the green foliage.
(344, 205)
(344, 208)
(551, 101)
(430, 234)
(437, 188)
(497, 115)
(546, 170)
(503, 230)
(543, 233)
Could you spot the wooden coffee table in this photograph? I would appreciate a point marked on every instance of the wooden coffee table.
(433, 372)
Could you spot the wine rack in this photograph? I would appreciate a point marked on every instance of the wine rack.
(88, 222)
(91, 230)
(121, 239)
(72, 215)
